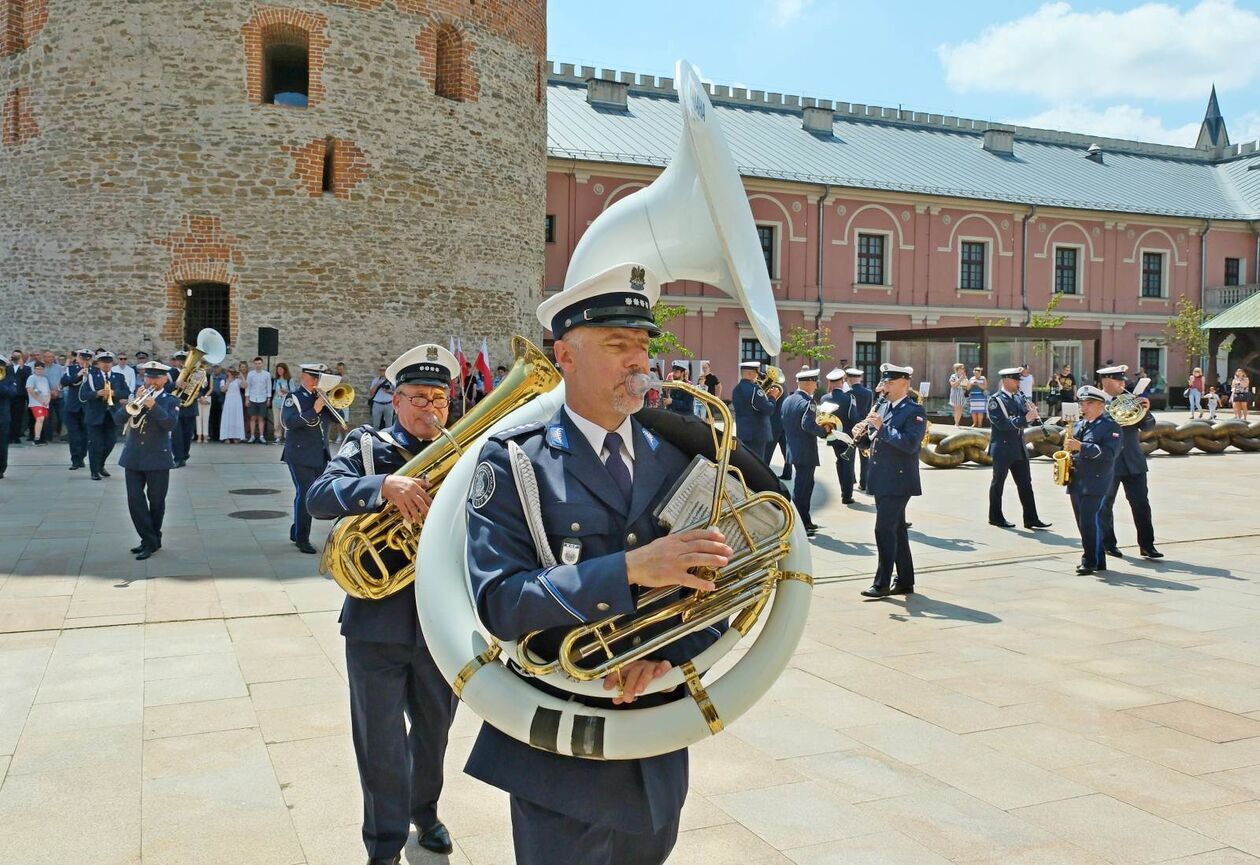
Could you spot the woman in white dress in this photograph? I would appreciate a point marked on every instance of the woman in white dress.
(232, 424)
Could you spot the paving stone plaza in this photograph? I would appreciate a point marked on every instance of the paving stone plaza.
(193, 708)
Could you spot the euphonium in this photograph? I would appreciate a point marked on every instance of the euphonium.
(372, 555)
(211, 348)
(1063, 460)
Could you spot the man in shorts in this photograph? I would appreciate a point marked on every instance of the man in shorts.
(257, 399)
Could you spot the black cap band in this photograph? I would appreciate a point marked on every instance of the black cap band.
(624, 309)
(436, 374)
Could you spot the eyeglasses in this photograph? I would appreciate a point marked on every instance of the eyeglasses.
(425, 402)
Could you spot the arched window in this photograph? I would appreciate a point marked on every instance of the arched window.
(450, 63)
(286, 66)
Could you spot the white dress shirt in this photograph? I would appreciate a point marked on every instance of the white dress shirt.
(595, 434)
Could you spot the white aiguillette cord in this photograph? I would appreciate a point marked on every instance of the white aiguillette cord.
(527, 488)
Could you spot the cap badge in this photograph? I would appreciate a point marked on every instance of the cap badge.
(638, 276)
(432, 353)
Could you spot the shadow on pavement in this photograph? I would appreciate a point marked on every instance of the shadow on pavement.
(958, 545)
(922, 607)
(838, 546)
(1146, 584)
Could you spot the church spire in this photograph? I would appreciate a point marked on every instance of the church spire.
(1212, 134)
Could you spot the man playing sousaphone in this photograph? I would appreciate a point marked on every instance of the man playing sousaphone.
(392, 675)
(599, 473)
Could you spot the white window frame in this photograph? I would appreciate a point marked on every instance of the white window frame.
(857, 249)
(1165, 256)
(1080, 268)
(988, 267)
(775, 252)
(1156, 343)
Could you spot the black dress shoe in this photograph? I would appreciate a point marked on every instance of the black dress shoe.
(144, 553)
(1002, 524)
(813, 527)
(876, 592)
(1113, 551)
(1037, 524)
(137, 549)
(104, 473)
(436, 838)
(1152, 553)
(898, 589)
(386, 860)
(809, 533)
(95, 476)
(305, 546)
(1083, 570)
(847, 501)
(75, 468)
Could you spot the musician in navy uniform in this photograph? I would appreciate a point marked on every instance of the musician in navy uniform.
(186, 430)
(393, 680)
(98, 416)
(896, 434)
(9, 387)
(600, 473)
(842, 399)
(146, 456)
(752, 408)
(306, 418)
(1010, 413)
(1131, 470)
(776, 431)
(801, 432)
(862, 401)
(676, 400)
(72, 409)
(1095, 447)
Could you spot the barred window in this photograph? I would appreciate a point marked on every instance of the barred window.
(206, 304)
(765, 234)
(870, 259)
(1065, 270)
(866, 358)
(1152, 274)
(972, 273)
(1233, 271)
(750, 349)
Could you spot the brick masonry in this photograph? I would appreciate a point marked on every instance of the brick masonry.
(152, 164)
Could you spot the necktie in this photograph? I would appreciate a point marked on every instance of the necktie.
(616, 465)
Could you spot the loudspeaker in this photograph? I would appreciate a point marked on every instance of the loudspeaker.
(268, 341)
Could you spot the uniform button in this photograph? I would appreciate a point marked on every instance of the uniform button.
(362, 503)
(602, 607)
(632, 539)
(637, 640)
(576, 527)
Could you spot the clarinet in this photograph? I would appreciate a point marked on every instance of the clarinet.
(862, 431)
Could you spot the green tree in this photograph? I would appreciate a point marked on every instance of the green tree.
(808, 345)
(667, 342)
(1185, 329)
(1047, 320)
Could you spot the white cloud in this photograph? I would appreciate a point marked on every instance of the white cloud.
(1152, 51)
(785, 12)
(1247, 128)
(1114, 121)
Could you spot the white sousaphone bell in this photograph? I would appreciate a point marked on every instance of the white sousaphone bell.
(692, 223)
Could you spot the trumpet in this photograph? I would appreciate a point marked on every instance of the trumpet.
(136, 407)
(109, 391)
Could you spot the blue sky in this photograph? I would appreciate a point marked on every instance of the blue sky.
(1124, 69)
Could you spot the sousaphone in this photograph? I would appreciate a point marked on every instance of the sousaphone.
(694, 223)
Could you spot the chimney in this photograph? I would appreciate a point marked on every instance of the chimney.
(1094, 153)
(606, 93)
(819, 120)
(1000, 140)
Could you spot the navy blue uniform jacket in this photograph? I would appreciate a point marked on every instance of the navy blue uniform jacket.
(70, 389)
(895, 450)
(753, 410)
(95, 409)
(581, 505)
(1093, 467)
(1006, 414)
(148, 449)
(800, 431)
(344, 489)
(844, 402)
(8, 393)
(306, 443)
(862, 398)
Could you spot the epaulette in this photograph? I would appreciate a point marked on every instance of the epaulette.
(516, 432)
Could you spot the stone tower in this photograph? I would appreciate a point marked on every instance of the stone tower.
(362, 175)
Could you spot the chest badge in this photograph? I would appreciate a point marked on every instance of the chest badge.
(570, 551)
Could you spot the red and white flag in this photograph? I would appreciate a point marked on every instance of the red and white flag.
(482, 363)
(456, 379)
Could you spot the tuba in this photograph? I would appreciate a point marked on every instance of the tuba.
(373, 555)
(692, 222)
(210, 349)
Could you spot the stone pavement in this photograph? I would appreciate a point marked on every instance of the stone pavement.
(192, 708)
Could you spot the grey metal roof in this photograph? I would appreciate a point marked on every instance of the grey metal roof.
(1243, 314)
(917, 156)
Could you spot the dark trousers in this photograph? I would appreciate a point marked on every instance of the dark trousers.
(400, 770)
(1023, 483)
(892, 542)
(49, 432)
(1135, 490)
(844, 470)
(100, 443)
(18, 416)
(182, 436)
(216, 414)
(4, 446)
(863, 461)
(77, 433)
(544, 837)
(146, 501)
(1089, 512)
(303, 477)
(757, 446)
(803, 491)
(781, 444)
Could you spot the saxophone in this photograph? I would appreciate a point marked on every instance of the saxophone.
(1063, 460)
